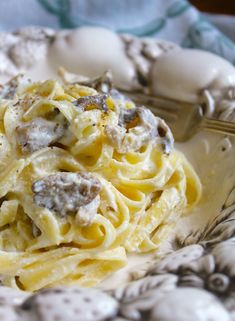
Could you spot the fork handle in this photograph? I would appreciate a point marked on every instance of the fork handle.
(218, 126)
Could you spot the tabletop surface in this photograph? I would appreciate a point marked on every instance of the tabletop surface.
(215, 6)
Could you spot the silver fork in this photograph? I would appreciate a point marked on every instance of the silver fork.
(184, 119)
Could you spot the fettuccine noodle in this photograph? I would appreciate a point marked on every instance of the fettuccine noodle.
(139, 185)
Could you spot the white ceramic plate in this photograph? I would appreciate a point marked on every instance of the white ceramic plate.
(195, 278)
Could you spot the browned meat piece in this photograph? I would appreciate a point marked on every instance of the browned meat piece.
(38, 133)
(102, 84)
(136, 128)
(65, 193)
(127, 116)
(97, 101)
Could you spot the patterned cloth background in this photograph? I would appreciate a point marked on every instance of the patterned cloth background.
(174, 20)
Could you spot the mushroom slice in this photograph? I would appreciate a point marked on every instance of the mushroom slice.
(102, 84)
(136, 128)
(38, 133)
(65, 192)
(96, 101)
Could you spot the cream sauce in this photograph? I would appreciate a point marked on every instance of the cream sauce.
(183, 74)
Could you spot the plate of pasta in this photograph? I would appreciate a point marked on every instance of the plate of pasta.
(103, 215)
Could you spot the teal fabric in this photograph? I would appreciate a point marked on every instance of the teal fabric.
(174, 20)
